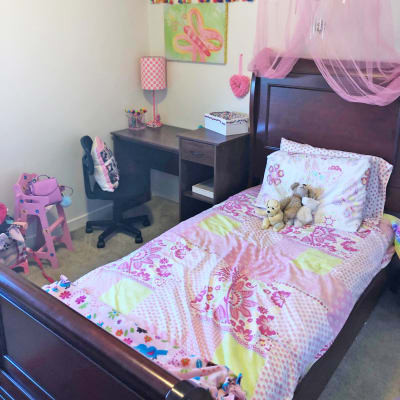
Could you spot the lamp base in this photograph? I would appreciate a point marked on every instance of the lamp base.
(154, 124)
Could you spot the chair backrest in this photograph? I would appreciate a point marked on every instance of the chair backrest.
(87, 164)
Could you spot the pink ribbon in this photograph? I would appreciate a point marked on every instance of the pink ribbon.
(200, 41)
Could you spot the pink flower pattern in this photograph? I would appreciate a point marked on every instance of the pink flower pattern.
(180, 250)
(239, 298)
(279, 297)
(249, 322)
(80, 299)
(65, 295)
(163, 269)
(149, 263)
(275, 175)
(239, 328)
(323, 237)
(238, 205)
(263, 322)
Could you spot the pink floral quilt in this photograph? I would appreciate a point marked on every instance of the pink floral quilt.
(218, 291)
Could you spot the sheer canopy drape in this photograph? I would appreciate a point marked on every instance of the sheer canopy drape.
(352, 43)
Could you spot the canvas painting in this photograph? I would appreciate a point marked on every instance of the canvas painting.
(196, 32)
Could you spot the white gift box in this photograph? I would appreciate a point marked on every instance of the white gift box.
(227, 122)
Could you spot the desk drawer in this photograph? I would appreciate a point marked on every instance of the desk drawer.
(201, 153)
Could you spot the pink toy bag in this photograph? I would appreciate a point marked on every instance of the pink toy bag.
(47, 187)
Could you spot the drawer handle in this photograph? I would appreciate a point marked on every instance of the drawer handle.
(196, 153)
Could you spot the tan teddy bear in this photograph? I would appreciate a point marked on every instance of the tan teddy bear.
(291, 205)
(273, 216)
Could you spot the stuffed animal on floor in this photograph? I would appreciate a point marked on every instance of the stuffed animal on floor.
(273, 216)
(291, 205)
(305, 214)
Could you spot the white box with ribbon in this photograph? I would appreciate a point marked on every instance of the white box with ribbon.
(227, 122)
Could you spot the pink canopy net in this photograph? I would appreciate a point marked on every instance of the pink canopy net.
(352, 42)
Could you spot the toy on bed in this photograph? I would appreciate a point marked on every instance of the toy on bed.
(305, 214)
(291, 205)
(12, 243)
(273, 216)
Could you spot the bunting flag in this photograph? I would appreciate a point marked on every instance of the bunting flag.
(194, 1)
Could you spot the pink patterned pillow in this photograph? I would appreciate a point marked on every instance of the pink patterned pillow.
(105, 167)
(377, 180)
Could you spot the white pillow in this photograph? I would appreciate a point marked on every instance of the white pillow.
(105, 167)
(377, 182)
(340, 182)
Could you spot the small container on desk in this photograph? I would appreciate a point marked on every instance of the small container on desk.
(227, 122)
(136, 119)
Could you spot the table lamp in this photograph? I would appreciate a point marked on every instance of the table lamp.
(153, 77)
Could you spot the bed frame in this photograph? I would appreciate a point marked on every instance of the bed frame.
(49, 351)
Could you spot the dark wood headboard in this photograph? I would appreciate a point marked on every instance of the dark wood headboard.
(303, 108)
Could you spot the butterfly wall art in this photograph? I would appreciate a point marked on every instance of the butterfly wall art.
(196, 32)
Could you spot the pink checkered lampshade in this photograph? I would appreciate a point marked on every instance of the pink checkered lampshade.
(153, 73)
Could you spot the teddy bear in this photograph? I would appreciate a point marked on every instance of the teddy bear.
(273, 216)
(291, 205)
(305, 214)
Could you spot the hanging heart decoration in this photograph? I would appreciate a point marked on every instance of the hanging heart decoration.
(240, 84)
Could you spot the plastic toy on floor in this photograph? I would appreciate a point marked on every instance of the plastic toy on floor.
(34, 205)
(12, 243)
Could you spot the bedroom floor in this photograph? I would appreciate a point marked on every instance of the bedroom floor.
(369, 371)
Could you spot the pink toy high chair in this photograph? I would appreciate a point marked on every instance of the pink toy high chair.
(27, 204)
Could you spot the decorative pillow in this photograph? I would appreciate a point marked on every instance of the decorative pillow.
(105, 167)
(377, 180)
(340, 183)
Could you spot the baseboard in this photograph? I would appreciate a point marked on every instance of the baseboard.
(103, 212)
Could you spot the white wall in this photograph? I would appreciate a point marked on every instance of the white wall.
(67, 68)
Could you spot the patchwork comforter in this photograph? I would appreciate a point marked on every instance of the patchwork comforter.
(218, 291)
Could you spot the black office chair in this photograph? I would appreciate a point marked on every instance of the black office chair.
(131, 192)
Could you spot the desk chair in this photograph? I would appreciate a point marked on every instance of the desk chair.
(130, 193)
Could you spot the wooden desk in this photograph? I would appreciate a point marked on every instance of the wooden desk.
(150, 148)
(194, 156)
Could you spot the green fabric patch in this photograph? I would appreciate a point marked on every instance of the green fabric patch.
(125, 295)
(219, 224)
(316, 261)
(239, 359)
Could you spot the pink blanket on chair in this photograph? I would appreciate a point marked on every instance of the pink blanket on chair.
(218, 289)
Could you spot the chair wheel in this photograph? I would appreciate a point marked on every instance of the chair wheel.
(146, 221)
(89, 228)
(138, 239)
(101, 244)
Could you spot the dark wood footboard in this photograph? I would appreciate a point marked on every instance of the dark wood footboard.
(49, 351)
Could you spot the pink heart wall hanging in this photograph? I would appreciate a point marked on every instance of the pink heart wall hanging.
(240, 84)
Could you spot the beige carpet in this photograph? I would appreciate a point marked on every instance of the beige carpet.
(369, 371)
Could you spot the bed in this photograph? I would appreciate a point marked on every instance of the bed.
(51, 351)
